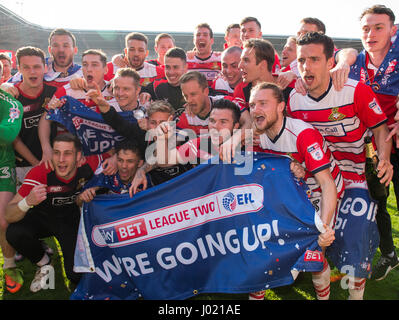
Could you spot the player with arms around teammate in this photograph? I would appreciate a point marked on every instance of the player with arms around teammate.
(344, 118)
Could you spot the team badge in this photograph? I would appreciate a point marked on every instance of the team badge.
(215, 66)
(373, 105)
(229, 202)
(336, 115)
(146, 81)
(315, 151)
(14, 114)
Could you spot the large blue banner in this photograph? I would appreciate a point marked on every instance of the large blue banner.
(206, 231)
(96, 136)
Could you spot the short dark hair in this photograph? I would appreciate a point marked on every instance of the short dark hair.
(228, 105)
(321, 27)
(250, 19)
(176, 52)
(136, 36)
(97, 52)
(61, 32)
(68, 137)
(128, 72)
(277, 92)
(194, 75)
(30, 51)
(232, 26)
(379, 9)
(264, 50)
(318, 38)
(128, 144)
(207, 26)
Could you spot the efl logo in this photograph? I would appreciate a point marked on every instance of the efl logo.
(230, 201)
(313, 256)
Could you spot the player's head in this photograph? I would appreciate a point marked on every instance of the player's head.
(67, 151)
(194, 87)
(378, 26)
(136, 49)
(257, 58)
(94, 66)
(126, 88)
(266, 105)
(175, 65)
(163, 42)
(129, 159)
(7, 66)
(250, 28)
(310, 24)
(289, 52)
(223, 119)
(203, 39)
(230, 61)
(62, 47)
(159, 111)
(31, 64)
(315, 60)
(232, 35)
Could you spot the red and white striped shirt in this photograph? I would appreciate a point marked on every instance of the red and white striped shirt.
(344, 119)
(304, 143)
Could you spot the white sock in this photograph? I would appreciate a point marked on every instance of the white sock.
(45, 260)
(356, 288)
(321, 282)
(259, 295)
(9, 263)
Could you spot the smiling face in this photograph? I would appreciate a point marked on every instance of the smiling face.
(164, 44)
(174, 69)
(233, 37)
(230, 70)
(377, 30)
(126, 93)
(32, 70)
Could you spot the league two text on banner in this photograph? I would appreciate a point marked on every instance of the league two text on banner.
(208, 230)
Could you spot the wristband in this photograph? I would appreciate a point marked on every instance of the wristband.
(23, 206)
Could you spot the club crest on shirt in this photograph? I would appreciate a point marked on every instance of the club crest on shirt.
(315, 151)
(373, 105)
(336, 115)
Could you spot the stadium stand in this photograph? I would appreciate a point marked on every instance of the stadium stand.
(16, 32)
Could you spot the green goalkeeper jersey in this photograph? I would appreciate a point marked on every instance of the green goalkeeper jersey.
(11, 112)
